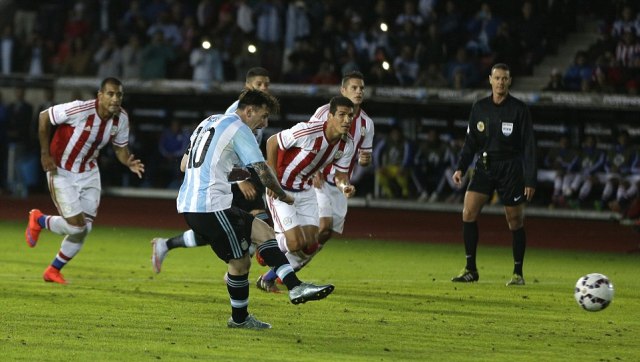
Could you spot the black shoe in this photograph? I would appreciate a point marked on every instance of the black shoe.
(466, 276)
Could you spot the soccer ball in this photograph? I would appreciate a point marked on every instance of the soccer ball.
(594, 292)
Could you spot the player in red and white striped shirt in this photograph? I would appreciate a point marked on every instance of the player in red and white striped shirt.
(332, 205)
(82, 128)
(297, 154)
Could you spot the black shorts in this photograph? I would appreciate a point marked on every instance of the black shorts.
(506, 177)
(228, 232)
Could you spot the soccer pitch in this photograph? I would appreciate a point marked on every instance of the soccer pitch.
(393, 302)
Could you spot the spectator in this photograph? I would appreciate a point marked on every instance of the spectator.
(429, 164)
(206, 61)
(628, 50)
(483, 28)
(393, 158)
(431, 77)
(35, 56)
(244, 17)
(556, 84)
(19, 126)
(169, 29)
(617, 167)
(108, 58)
(20, 145)
(528, 29)
(297, 26)
(504, 46)
(156, 57)
(269, 23)
(563, 160)
(409, 14)
(8, 50)
(172, 145)
(625, 23)
(431, 49)
(132, 58)
(577, 73)
(325, 75)
(450, 25)
(406, 66)
(461, 72)
(591, 163)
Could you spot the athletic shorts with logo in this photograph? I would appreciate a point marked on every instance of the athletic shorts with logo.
(506, 177)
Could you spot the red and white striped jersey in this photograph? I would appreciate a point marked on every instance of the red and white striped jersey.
(304, 149)
(361, 132)
(81, 133)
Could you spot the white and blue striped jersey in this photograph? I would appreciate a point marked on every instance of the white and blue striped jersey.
(218, 143)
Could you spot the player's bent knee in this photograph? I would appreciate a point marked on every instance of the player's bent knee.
(79, 230)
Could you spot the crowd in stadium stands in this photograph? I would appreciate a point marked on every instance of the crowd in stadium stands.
(612, 63)
(433, 43)
(428, 43)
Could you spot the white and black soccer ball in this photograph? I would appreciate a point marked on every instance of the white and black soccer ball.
(594, 292)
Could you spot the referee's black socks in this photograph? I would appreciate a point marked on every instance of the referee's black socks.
(519, 246)
(470, 236)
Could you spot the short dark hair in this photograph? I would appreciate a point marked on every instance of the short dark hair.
(256, 72)
(351, 75)
(110, 80)
(339, 101)
(501, 66)
(253, 97)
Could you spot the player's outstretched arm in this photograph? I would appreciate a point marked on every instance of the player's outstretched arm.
(269, 180)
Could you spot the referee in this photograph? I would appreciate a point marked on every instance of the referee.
(500, 132)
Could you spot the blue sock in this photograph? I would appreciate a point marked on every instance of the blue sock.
(270, 275)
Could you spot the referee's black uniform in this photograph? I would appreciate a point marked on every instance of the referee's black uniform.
(502, 137)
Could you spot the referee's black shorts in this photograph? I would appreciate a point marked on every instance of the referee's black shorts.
(228, 231)
(506, 177)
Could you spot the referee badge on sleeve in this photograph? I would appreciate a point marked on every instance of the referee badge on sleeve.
(480, 126)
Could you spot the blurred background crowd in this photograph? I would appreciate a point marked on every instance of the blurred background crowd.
(449, 44)
(429, 43)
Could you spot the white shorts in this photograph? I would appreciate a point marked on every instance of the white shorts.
(75, 193)
(332, 203)
(304, 211)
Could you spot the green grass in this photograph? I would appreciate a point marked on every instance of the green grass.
(393, 302)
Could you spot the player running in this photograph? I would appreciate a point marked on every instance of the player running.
(298, 154)
(82, 129)
(205, 197)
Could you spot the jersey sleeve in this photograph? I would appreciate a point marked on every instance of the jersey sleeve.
(58, 113)
(367, 142)
(121, 137)
(286, 139)
(246, 146)
(321, 114)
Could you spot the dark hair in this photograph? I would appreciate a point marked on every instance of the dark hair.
(351, 75)
(252, 97)
(110, 80)
(339, 101)
(501, 66)
(256, 72)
